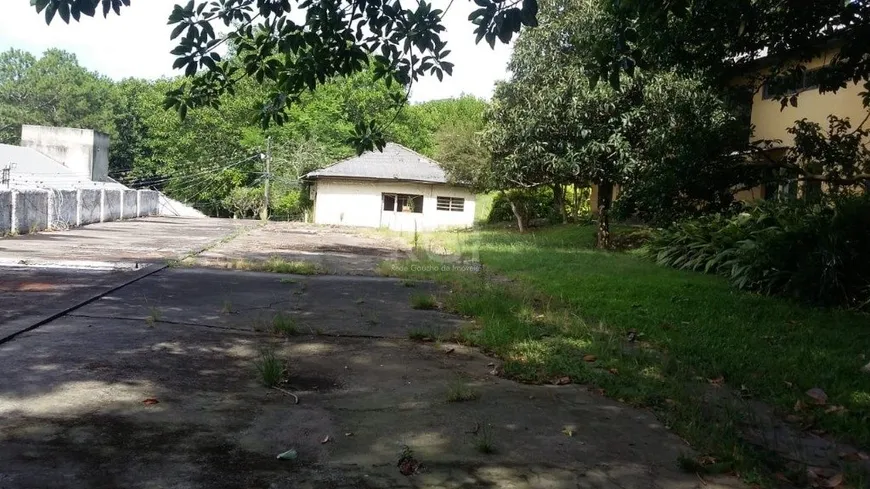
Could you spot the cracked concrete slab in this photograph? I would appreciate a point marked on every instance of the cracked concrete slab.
(74, 416)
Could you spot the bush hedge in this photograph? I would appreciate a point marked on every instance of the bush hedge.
(816, 253)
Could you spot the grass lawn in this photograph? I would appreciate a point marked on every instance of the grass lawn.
(568, 310)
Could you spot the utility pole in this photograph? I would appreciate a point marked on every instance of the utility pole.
(267, 183)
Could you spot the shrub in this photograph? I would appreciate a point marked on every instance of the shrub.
(538, 203)
(817, 253)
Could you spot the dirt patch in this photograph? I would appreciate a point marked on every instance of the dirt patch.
(337, 250)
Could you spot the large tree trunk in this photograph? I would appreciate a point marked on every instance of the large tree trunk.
(521, 213)
(559, 202)
(605, 196)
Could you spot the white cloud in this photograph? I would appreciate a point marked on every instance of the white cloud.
(136, 44)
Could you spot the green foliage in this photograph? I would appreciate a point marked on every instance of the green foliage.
(816, 253)
(538, 204)
(269, 367)
(565, 300)
(424, 302)
(244, 201)
(337, 39)
(667, 140)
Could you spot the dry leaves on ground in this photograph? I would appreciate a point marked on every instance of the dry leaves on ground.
(818, 396)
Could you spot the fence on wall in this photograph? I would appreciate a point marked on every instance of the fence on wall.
(31, 210)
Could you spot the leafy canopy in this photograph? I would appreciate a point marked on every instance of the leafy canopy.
(337, 37)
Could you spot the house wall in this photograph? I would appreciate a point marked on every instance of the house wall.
(84, 151)
(771, 120)
(359, 203)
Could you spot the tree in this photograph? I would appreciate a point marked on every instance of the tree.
(52, 90)
(338, 37)
(453, 130)
(665, 139)
(709, 39)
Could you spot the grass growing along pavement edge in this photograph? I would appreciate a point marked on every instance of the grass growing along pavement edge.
(566, 309)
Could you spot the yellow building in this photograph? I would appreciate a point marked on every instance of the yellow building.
(770, 121)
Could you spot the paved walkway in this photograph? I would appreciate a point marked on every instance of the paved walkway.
(156, 385)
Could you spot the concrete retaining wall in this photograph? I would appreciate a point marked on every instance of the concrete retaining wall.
(129, 203)
(25, 211)
(62, 209)
(30, 211)
(89, 206)
(5, 211)
(111, 205)
(148, 203)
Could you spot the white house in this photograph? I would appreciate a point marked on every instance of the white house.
(397, 189)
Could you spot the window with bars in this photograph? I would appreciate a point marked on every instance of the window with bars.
(453, 204)
(790, 83)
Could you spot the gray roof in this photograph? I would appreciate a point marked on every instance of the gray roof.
(396, 162)
(32, 169)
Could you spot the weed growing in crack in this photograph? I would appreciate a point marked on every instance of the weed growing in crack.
(459, 391)
(422, 335)
(425, 302)
(270, 368)
(153, 317)
(284, 324)
(483, 441)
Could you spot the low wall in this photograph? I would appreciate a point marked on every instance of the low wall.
(111, 205)
(5, 212)
(25, 211)
(89, 206)
(31, 211)
(148, 203)
(129, 204)
(62, 209)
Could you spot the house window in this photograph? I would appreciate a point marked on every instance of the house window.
(790, 83)
(389, 202)
(453, 204)
(403, 203)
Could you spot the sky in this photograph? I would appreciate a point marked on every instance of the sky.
(136, 44)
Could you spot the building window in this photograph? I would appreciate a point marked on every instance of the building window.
(790, 83)
(403, 203)
(453, 204)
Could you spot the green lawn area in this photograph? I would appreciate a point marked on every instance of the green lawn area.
(564, 301)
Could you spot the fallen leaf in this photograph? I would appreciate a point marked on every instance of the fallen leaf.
(568, 431)
(490, 364)
(835, 481)
(818, 395)
(717, 381)
(589, 358)
(799, 405)
(562, 380)
(613, 371)
(349, 433)
(449, 350)
(781, 477)
(150, 401)
(288, 455)
(835, 409)
(325, 440)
